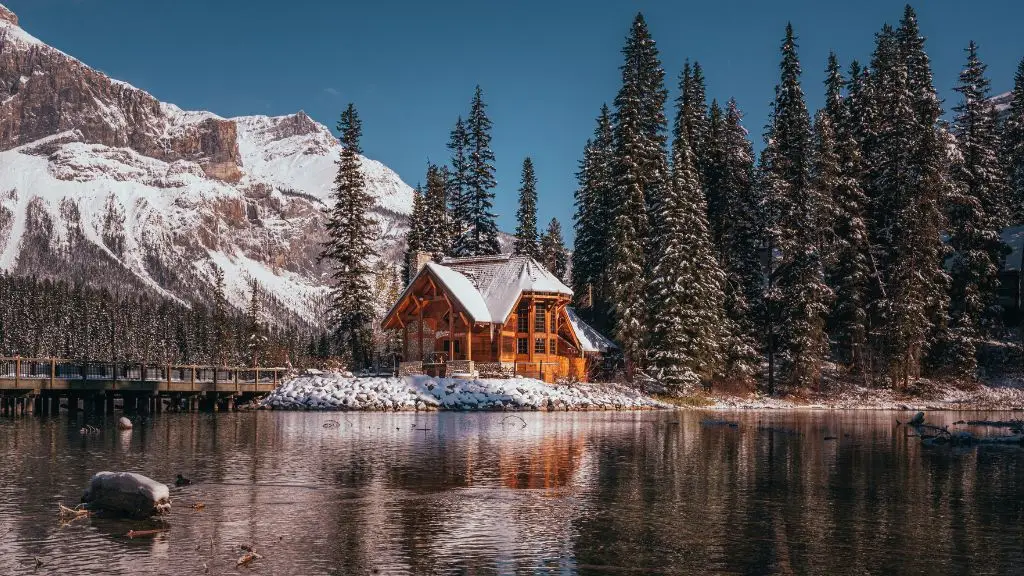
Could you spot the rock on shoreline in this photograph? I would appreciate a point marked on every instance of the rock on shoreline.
(423, 393)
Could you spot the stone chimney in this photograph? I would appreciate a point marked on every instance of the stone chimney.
(417, 260)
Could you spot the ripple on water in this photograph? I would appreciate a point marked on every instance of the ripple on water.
(575, 492)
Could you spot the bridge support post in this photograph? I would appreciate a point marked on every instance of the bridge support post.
(37, 405)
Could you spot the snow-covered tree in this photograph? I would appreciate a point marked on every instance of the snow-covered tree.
(849, 269)
(481, 237)
(552, 250)
(797, 292)
(350, 231)
(640, 174)
(977, 213)
(686, 283)
(437, 222)
(1012, 149)
(594, 209)
(459, 199)
(414, 237)
(526, 215)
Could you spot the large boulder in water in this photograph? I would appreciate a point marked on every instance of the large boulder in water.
(127, 494)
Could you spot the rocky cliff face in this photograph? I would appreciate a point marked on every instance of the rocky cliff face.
(103, 183)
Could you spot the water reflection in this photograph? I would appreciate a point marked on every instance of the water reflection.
(567, 493)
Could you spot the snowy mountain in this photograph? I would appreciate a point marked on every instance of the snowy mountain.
(102, 182)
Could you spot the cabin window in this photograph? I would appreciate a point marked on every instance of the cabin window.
(552, 346)
(554, 328)
(523, 318)
(540, 318)
(538, 345)
(522, 346)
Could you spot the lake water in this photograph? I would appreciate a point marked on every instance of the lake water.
(590, 493)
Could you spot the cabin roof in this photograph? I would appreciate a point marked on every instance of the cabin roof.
(590, 339)
(500, 280)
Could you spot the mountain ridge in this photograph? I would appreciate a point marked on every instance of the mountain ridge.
(101, 182)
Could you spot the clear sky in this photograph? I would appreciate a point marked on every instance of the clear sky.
(545, 66)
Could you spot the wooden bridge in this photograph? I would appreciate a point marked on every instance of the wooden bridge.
(38, 385)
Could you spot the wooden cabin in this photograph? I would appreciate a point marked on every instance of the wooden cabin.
(491, 316)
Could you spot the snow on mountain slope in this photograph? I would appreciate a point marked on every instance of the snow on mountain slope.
(102, 183)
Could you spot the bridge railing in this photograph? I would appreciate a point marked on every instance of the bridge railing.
(46, 371)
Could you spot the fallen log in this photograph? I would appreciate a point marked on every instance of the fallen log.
(127, 494)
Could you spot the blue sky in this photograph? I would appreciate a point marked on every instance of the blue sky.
(545, 67)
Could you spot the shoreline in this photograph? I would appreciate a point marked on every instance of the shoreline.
(1005, 395)
(344, 392)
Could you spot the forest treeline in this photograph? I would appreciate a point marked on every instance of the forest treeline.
(866, 236)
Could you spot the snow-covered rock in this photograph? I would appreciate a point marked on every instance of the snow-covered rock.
(343, 392)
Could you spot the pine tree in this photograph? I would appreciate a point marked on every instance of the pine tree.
(713, 171)
(594, 208)
(849, 270)
(219, 328)
(976, 214)
(526, 215)
(459, 199)
(931, 166)
(640, 174)
(482, 236)
(414, 237)
(437, 222)
(797, 292)
(686, 283)
(742, 231)
(257, 339)
(347, 250)
(552, 250)
(1012, 149)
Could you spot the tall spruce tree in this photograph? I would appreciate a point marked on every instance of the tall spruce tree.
(686, 283)
(350, 231)
(798, 294)
(414, 237)
(481, 238)
(593, 218)
(711, 178)
(552, 250)
(526, 215)
(459, 199)
(977, 214)
(739, 258)
(437, 222)
(930, 166)
(849, 270)
(1012, 149)
(640, 173)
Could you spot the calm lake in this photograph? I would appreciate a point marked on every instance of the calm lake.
(589, 493)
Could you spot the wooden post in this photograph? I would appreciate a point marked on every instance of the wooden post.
(451, 334)
(168, 377)
(17, 371)
(193, 387)
(256, 384)
(420, 315)
(531, 318)
(469, 339)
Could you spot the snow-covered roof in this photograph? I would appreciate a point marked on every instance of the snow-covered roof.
(462, 290)
(590, 340)
(501, 279)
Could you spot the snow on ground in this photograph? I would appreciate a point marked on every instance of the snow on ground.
(333, 391)
(1007, 395)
